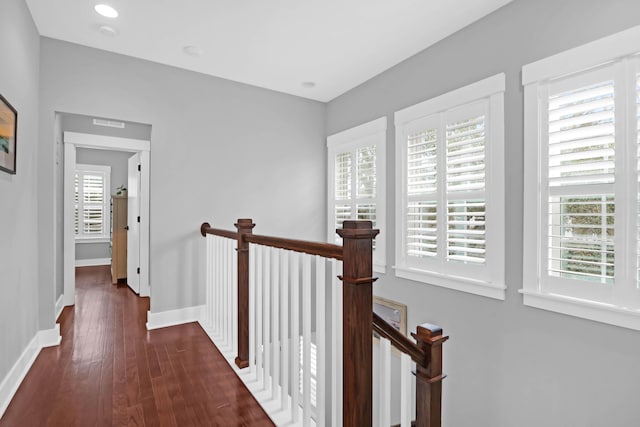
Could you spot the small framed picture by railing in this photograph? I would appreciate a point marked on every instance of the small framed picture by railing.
(8, 141)
(392, 312)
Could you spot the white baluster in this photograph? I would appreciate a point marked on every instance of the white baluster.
(385, 382)
(234, 296)
(306, 334)
(284, 332)
(336, 347)
(252, 309)
(267, 316)
(405, 390)
(320, 340)
(259, 318)
(275, 319)
(295, 336)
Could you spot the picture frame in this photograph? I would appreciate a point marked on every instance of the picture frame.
(8, 136)
(393, 312)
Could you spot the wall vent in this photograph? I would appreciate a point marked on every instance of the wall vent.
(108, 123)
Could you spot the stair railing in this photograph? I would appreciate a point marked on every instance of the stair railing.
(258, 298)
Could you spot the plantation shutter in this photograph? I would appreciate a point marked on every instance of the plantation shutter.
(581, 176)
(422, 185)
(91, 202)
(465, 179)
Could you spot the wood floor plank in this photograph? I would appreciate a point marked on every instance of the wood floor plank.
(110, 371)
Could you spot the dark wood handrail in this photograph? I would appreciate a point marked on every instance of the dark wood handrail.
(398, 340)
(326, 250)
(205, 229)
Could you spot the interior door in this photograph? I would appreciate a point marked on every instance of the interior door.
(133, 221)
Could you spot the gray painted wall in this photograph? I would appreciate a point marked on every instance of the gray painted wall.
(508, 365)
(219, 151)
(117, 160)
(20, 45)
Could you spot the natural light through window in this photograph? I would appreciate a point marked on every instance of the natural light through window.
(91, 202)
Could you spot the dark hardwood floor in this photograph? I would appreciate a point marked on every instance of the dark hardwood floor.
(109, 370)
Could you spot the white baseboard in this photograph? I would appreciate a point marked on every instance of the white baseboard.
(167, 318)
(59, 306)
(92, 262)
(11, 382)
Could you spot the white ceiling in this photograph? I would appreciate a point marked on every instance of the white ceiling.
(275, 44)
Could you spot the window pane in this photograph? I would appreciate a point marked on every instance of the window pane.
(343, 176)
(422, 240)
(582, 136)
(466, 231)
(421, 159)
(581, 233)
(366, 186)
(465, 154)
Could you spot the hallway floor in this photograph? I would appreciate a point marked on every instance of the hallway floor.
(109, 370)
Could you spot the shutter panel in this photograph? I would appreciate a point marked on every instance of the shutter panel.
(581, 136)
(466, 232)
(465, 154)
(421, 231)
(581, 153)
(581, 233)
(422, 237)
(422, 159)
(76, 198)
(343, 176)
(366, 186)
(465, 158)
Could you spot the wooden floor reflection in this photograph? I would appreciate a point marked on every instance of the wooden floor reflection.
(109, 370)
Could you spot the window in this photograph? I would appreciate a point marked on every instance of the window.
(356, 187)
(450, 189)
(91, 202)
(581, 216)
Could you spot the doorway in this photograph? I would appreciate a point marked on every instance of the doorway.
(139, 247)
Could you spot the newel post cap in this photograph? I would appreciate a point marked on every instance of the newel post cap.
(357, 229)
(244, 225)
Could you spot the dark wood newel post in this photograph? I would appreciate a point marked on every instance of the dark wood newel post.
(357, 270)
(244, 226)
(429, 376)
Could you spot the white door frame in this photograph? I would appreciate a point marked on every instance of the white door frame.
(73, 140)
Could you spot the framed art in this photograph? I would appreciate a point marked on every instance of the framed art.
(8, 139)
(392, 312)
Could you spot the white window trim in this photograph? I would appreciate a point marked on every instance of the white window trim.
(491, 88)
(373, 132)
(105, 236)
(535, 77)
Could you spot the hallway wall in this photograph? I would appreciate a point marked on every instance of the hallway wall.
(20, 45)
(220, 150)
(507, 365)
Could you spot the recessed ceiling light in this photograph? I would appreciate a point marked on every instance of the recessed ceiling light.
(308, 85)
(108, 31)
(193, 50)
(106, 11)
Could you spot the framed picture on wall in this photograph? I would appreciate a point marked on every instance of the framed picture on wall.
(392, 312)
(8, 140)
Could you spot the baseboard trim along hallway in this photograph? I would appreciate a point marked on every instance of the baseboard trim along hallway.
(163, 319)
(10, 384)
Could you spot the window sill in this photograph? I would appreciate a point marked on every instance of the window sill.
(463, 284)
(379, 268)
(599, 312)
(93, 240)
